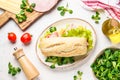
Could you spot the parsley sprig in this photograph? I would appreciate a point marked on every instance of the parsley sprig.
(78, 76)
(21, 16)
(13, 70)
(59, 61)
(63, 10)
(96, 17)
(25, 6)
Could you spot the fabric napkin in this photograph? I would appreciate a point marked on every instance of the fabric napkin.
(112, 10)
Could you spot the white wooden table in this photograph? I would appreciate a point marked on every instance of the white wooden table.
(6, 48)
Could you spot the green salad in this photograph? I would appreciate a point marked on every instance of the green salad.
(107, 65)
(68, 31)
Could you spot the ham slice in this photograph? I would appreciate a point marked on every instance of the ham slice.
(43, 5)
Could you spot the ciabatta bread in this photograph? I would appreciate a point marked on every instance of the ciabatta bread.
(63, 46)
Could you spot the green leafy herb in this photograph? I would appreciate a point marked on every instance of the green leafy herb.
(25, 6)
(63, 10)
(78, 76)
(21, 17)
(59, 61)
(107, 65)
(13, 70)
(52, 29)
(96, 17)
(18, 69)
(33, 5)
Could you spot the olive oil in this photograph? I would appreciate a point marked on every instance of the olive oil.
(111, 28)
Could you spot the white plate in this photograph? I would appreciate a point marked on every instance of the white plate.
(62, 24)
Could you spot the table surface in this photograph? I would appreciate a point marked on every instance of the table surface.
(7, 48)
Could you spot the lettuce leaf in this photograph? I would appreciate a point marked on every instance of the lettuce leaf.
(80, 32)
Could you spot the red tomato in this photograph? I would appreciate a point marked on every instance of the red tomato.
(26, 38)
(12, 37)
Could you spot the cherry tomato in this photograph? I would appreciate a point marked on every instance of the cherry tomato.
(12, 37)
(26, 38)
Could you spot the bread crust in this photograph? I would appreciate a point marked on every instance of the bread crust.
(63, 46)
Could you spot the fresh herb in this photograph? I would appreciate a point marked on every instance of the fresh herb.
(52, 29)
(13, 70)
(107, 65)
(21, 16)
(96, 17)
(63, 10)
(24, 7)
(59, 61)
(78, 76)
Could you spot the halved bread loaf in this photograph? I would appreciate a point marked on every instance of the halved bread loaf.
(63, 46)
